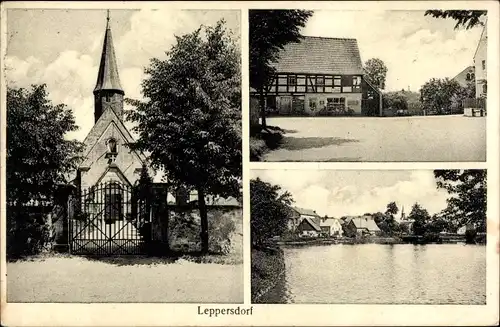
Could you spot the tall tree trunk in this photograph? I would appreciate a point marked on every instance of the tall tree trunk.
(262, 105)
(204, 221)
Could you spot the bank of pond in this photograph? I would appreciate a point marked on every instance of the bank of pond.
(480, 238)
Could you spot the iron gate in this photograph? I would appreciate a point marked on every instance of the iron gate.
(109, 219)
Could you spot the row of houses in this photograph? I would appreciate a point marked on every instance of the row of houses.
(307, 223)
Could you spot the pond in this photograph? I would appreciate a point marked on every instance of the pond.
(386, 274)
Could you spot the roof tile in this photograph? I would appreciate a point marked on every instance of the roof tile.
(321, 55)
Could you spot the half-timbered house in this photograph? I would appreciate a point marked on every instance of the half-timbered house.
(321, 76)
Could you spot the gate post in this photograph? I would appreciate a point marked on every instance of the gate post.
(159, 220)
(59, 217)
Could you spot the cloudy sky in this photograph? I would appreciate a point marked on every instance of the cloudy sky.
(351, 192)
(62, 49)
(414, 47)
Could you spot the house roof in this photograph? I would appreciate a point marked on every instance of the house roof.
(484, 35)
(329, 222)
(466, 69)
(320, 55)
(312, 223)
(306, 212)
(365, 223)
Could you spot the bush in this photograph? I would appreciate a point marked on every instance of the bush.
(257, 149)
(184, 230)
(220, 229)
(272, 137)
(27, 233)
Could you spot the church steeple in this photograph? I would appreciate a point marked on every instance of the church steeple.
(108, 92)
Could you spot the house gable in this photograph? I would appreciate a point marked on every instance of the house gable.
(96, 162)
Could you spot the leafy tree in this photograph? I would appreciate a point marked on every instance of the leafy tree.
(38, 159)
(467, 188)
(437, 94)
(395, 100)
(437, 225)
(190, 122)
(465, 18)
(269, 211)
(386, 222)
(375, 72)
(392, 209)
(38, 155)
(420, 218)
(270, 31)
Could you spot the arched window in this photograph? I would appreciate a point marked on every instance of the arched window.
(111, 145)
(113, 201)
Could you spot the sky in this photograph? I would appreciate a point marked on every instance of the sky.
(340, 193)
(62, 49)
(414, 47)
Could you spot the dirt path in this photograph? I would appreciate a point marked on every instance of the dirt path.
(75, 279)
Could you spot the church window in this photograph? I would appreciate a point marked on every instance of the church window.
(107, 97)
(112, 145)
(113, 201)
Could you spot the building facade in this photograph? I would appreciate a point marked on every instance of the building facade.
(321, 76)
(296, 215)
(480, 65)
(331, 226)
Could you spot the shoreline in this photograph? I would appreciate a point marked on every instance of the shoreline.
(373, 240)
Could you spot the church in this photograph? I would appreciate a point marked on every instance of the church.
(106, 156)
(107, 211)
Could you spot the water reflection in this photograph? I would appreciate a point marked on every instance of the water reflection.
(370, 273)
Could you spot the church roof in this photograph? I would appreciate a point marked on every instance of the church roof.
(108, 78)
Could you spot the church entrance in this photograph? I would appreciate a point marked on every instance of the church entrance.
(109, 219)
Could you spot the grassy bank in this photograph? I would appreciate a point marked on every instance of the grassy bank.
(268, 268)
(264, 139)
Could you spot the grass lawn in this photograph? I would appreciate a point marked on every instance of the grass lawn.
(64, 278)
(430, 138)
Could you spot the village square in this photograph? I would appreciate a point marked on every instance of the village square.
(406, 89)
(124, 156)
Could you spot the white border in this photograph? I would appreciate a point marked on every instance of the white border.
(319, 315)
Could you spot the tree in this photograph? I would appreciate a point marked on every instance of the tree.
(420, 218)
(269, 211)
(467, 204)
(270, 31)
(465, 18)
(437, 225)
(437, 94)
(392, 209)
(39, 158)
(375, 72)
(386, 222)
(190, 120)
(395, 100)
(38, 155)
(464, 92)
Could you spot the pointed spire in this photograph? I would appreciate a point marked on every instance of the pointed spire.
(108, 78)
